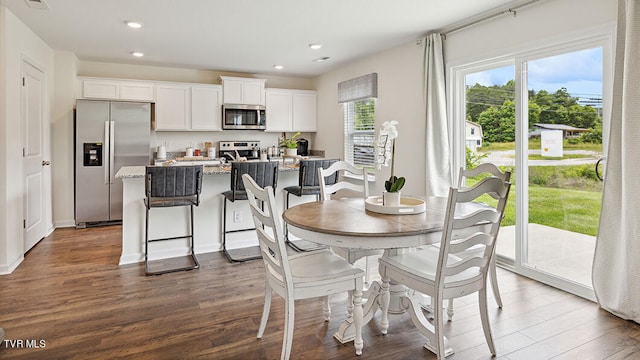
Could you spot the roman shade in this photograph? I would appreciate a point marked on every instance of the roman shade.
(359, 88)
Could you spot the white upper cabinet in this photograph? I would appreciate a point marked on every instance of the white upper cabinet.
(243, 90)
(206, 107)
(279, 110)
(173, 107)
(291, 110)
(117, 89)
(305, 110)
(188, 107)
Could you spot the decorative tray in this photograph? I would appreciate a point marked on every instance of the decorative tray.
(408, 206)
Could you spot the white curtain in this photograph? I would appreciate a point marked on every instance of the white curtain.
(438, 158)
(616, 265)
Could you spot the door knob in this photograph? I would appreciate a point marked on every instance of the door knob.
(45, 162)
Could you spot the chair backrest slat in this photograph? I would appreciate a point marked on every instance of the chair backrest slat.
(486, 222)
(308, 174)
(269, 229)
(340, 168)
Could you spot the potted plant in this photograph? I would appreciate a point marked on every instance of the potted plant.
(386, 153)
(290, 145)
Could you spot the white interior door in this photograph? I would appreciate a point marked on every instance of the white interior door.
(32, 99)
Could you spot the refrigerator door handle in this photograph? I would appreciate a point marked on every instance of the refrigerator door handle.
(112, 151)
(106, 151)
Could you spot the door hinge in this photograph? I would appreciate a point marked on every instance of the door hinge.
(24, 152)
(23, 81)
(24, 223)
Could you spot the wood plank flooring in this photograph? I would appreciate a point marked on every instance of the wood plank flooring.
(71, 293)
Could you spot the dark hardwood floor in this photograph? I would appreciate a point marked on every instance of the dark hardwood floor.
(70, 293)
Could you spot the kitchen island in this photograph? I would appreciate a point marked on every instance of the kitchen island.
(168, 222)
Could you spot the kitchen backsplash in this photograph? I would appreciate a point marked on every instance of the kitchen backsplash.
(178, 141)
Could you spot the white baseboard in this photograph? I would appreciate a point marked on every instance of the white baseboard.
(65, 224)
(6, 270)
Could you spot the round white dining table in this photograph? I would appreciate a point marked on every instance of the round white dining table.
(347, 223)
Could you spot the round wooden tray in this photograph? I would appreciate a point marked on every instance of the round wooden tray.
(408, 206)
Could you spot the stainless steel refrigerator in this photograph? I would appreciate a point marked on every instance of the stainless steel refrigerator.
(108, 136)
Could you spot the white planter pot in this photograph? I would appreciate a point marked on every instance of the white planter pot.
(391, 198)
(291, 152)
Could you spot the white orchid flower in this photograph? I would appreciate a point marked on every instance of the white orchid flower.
(389, 128)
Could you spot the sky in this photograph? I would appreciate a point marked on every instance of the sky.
(580, 72)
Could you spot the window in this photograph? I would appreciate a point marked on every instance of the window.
(357, 97)
(359, 132)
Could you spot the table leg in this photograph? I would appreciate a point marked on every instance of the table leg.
(347, 331)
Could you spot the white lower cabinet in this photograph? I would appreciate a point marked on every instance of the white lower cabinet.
(188, 107)
(291, 110)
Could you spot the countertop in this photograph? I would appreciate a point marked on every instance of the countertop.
(129, 172)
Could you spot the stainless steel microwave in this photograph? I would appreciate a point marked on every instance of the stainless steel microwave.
(243, 117)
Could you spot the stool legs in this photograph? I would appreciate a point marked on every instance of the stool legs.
(226, 251)
(192, 253)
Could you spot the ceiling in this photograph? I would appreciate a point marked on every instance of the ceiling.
(240, 35)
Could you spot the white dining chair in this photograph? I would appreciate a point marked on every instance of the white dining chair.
(360, 188)
(491, 170)
(447, 276)
(487, 169)
(303, 275)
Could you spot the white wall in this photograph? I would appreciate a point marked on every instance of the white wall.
(18, 43)
(400, 75)
(62, 135)
(399, 98)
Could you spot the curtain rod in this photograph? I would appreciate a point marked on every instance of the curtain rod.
(511, 10)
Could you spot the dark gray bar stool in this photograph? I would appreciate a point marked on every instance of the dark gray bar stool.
(308, 184)
(170, 186)
(264, 173)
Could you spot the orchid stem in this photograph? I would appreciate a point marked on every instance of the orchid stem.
(393, 155)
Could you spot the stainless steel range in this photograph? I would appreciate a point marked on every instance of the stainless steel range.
(231, 150)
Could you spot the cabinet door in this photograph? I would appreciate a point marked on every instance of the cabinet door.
(232, 92)
(100, 89)
(136, 91)
(205, 108)
(172, 107)
(253, 93)
(305, 115)
(279, 114)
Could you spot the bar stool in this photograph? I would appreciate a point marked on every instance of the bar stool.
(265, 173)
(171, 186)
(308, 184)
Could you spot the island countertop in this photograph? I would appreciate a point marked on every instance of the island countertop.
(130, 172)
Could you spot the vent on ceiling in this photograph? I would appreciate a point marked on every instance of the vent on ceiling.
(37, 4)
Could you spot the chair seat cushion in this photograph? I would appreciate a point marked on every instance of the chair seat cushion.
(171, 201)
(240, 195)
(304, 190)
(315, 267)
(422, 264)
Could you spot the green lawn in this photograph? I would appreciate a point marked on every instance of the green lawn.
(535, 144)
(562, 208)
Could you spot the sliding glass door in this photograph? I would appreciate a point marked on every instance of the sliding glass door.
(540, 116)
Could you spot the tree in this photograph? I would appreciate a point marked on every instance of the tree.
(498, 123)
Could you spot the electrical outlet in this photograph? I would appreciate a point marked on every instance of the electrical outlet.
(237, 216)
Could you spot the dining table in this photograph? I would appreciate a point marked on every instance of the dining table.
(347, 223)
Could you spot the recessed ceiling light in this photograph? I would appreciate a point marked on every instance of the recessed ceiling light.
(137, 54)
(278, 67)
(315, 46)
(133, 24)
(321, 59)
